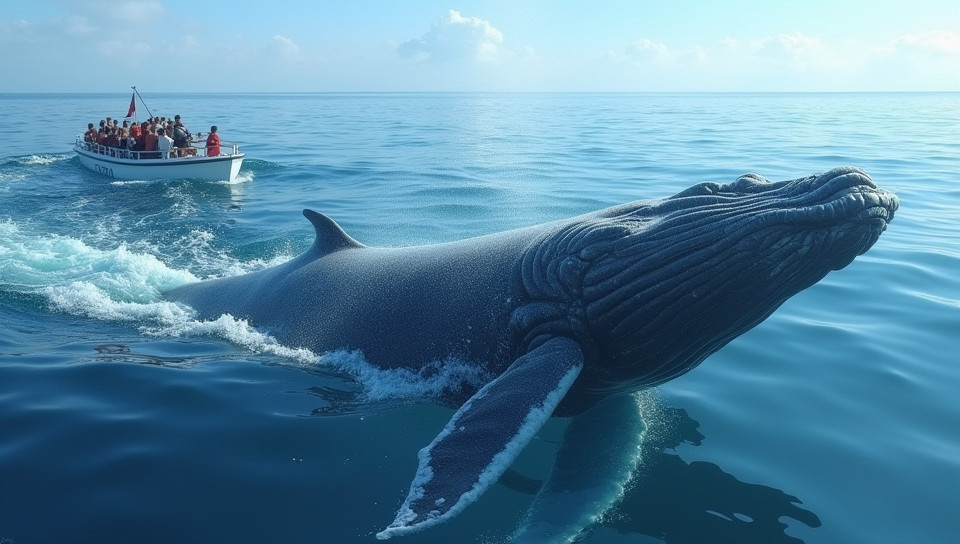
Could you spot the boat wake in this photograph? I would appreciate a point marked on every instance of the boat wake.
(17, 169)
(245, 176)
(120, 285)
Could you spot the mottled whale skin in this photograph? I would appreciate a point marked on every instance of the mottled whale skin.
(567, 318)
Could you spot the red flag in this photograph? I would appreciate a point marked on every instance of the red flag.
(133, 106)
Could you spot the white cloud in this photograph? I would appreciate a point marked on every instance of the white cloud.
(17, 32)
(938, 42)
(459, 52)
(110, 28)
(123, 50)
(790, 61)
(796, 48)
(921, 61)
(133, 12)
(78, 26)
(455, 37)
(285, 48)
(792, 52)
(648, 50)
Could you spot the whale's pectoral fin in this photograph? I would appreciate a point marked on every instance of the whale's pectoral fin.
(486, 434)
(597, 457)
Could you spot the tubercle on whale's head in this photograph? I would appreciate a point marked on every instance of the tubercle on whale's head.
(664, 284)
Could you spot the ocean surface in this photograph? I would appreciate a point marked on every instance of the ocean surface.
(124, 419)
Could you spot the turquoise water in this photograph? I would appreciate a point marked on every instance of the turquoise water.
(122, 419)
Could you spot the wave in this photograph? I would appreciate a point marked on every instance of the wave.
(121, 183)
(17, 169)
(126, 286)
(244, 176)
(259, 165)
(35, 160)
(429, 382)
(40, 263)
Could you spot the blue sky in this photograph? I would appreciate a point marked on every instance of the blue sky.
(492, 45)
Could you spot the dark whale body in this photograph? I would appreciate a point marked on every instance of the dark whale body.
(567, 318)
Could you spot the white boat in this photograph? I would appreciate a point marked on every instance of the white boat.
(149, 165)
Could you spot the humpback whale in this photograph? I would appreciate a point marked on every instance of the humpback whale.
(567, 318)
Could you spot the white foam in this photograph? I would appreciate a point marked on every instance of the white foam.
(242, 177)
(8, 178)
(42, 160)
(237, 331)
(125, 285)
(52, 262)
(432, 381)
(122, 182)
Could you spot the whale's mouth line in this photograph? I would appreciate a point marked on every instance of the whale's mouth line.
(854, 204)
(857, 197)
(832, 200)
(839, 199)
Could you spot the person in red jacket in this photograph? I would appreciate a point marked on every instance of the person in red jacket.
(213, 142)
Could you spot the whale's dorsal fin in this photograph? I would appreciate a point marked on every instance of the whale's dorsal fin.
(330, 236)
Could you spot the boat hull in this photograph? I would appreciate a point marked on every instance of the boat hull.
(221, 168)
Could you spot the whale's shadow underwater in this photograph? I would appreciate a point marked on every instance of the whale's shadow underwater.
(568, 318)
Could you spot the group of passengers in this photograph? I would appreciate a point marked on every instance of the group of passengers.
(155, 138)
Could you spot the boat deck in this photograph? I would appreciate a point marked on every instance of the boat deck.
(185, 153)
(179, 163)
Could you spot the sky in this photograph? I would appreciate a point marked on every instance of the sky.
(85, 46)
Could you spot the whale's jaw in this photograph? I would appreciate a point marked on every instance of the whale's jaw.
(690, 273)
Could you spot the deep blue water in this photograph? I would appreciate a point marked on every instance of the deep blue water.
(122, 419)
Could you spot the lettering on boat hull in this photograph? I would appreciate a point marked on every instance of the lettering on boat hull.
(104, 170)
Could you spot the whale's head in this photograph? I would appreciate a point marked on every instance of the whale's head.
(664, 284)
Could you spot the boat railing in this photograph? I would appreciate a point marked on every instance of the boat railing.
(190, 152)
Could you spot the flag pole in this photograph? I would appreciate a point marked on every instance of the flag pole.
(134, 87)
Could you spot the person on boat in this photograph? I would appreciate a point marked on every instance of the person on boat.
(112, 141)
(182, 138)
(90, 136)
(141, 132)
(213, 142)
(150, 143)
(178, 123)
(164, 143)
(121, 142)
(130, 143)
